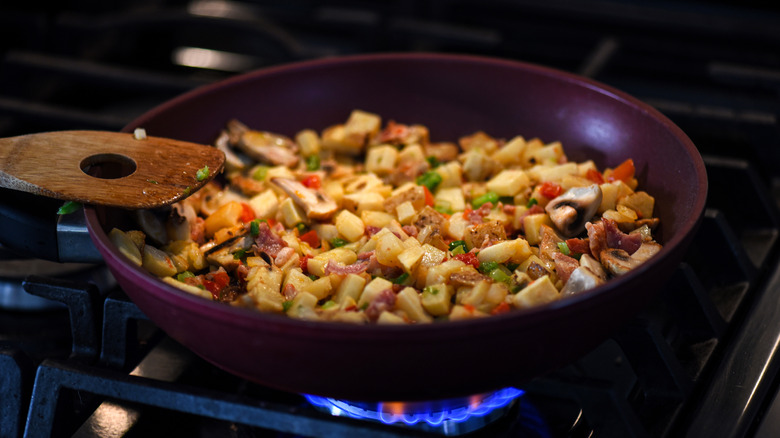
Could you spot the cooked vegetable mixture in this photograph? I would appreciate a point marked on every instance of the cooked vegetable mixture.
(372, 223)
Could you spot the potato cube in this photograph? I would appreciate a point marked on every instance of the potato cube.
(441, 272)
(351, 287)
(514, 251)
(408, 300)
(450, 198)
(360, 126)
(372, 289)
(475, 295)
(509, 182)
(436, 299)
(302, 306)
(264, 204)
(511, 152)
(405, 212)
(410, 257)
(388, 247)
(432, 256)
(457, 226)
(540, 291)
(640, 202)
(532, 225)
(451, 174)
(361, 201)
(320, 288)
(411, 154)
(309, 142)
(459, 313)
(477, 166)
(381, 159)
(373, 218)
(297, 279)
(553, 173)
(389, 318)
(292, 214)
(226, 216)
(349, 225)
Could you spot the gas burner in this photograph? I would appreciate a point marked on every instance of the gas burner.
(448, 417)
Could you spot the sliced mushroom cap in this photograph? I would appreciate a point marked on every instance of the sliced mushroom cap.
(570, 211)
(618, 262)
(232, 161)
(263, 146)
(315, 204)
(580, 280)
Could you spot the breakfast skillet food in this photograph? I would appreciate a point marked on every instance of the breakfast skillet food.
(366, 222)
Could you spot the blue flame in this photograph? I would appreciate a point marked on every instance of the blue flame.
(494, 401)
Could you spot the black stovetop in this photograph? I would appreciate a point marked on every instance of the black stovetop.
(700, 361)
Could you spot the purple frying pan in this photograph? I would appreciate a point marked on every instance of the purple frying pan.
(453, 95)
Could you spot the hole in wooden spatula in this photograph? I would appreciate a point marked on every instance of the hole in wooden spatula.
(108, 166)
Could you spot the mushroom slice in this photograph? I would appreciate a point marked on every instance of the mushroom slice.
(232, 161)
(589, 275)
(315, 204)
(618, 262)
(570, 211)
(263, 146)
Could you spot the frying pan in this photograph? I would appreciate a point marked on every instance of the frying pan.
(453, 95)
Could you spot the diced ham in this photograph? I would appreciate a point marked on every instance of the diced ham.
(620, 240)
(476, 216)
(268, 242)
(289, 292)
(371, 230)
(597, 238)
(333, 267)
(410, 230)
(564, 265)
(284, 256)
(385, 300)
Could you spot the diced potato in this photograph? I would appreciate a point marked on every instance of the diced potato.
(292, 214)
(203, 293)
(441, 272)
(553, 173)
(326, 231)
(363, 183)
(451, 174)
(541, 291)
(408, 300)
(532, 225)
(157, 262)
(226, 216)
(571, 181)
(372, 289)
(432, 256)
(379, 219)
(265, 204)
(550, 153)
(351, 287)
(410, 257)
(474, 295)
(405, 212)
(389, 318)
(297, 279)
(320, 288)
(309, 142)
(436, 299)
(388, 247)
(411, 193)
(263, 286)
(316, 264)
(450, 198)
(509, 182)
(126, 246)
(477, 166)
(457, 226)
(411, 154)
(349, 225)
(611, 193)
(360, 126)
(361, 201)
(334, 190)
(531, 146)
(188, 251)
(381, 159)
(302, 306)
(459, 313)
(480, 141)
(640, 202)
(514, 251)
(511, 153)
(494, 296)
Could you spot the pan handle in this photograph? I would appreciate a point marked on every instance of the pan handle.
(31, 227)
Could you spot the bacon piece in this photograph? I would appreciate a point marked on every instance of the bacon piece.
(410, 230)
(289, 292)
(597, 238)
(564, 265)
(385, 300)
(620, 240)
(476, 216)
(268, 242)
(371, 230)
(333, 267)
(284, 256)
(578, 246)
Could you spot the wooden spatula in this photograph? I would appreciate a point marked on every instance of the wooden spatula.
(107, 168)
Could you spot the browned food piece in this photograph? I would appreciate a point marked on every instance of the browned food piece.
(431, 235)
(428, 216)
(466, 276)
(315, 204)
(263, 146)
(477, 235)
(536, 271)
(549, 242)
(414, 194)
(618, 262)
(589, 275)
(443, 152)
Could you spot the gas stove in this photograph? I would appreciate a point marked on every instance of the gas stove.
(79, 359)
